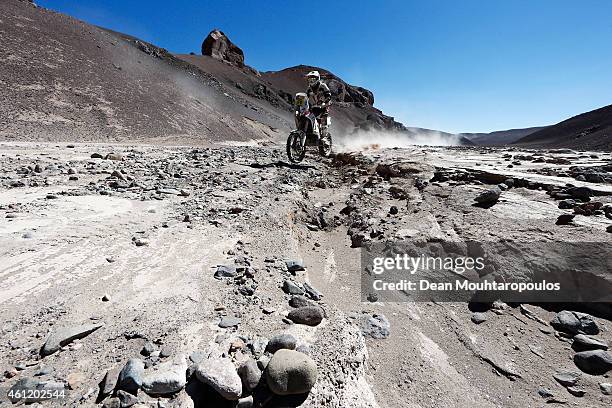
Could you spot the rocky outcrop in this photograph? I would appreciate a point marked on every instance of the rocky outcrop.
(344, 92)
(218, 46)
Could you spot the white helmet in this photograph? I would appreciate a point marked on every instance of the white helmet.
(313, 77)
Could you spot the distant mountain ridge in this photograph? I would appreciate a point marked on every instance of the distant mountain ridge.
(590, 131)
(500, 137)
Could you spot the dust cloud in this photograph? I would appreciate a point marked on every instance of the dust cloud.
(376, 139)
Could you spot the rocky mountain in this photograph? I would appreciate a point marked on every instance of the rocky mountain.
(500, 137)
(63, 79)
(590, 130)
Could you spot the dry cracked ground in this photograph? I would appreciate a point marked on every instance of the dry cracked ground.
(187, 269)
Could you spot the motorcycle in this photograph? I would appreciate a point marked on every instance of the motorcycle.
(308, 132)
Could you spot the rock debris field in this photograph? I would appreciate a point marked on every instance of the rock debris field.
(222, 276)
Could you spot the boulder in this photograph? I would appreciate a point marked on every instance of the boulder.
(290, 372)
(594, 362)
(567, 378)
(490, 196)
(281, 341)
(249, 374)
(130, 377)
(294, 265)
(565, 219)
(218, 46)
(126, 399)
(109, 382)
(292, 288)
(63, 336)
(574, 323)
(582, 342)
(168, 379)
(229, 321)
(221, 375)
(308, 315)
(581, 193)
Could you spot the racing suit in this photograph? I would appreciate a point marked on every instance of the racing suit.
(319, 98)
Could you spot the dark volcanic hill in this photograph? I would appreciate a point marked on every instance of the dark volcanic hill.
(63, 79)
(589, 131)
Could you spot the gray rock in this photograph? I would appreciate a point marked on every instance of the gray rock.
(169, 191)
(167, 380)
(197, 356)
(301, 301)
(312, 292)
(567, 378)
(126, 399)
(576, 392)
(545, 393)
(309, 315)
(165, 352)
(565, 219)
(114, 156)
(118, 175)
(567, 204)
(63, 336)
(109, 382)
(281, 341)
(594, 362)
(246, 402)
(489, 196)
(376, 326)
(263, 362)
(221, 375)
(250, 374)
(294, 265)
(574, 323)
(147, 349)
(582, 193)
(229, 321)
(479, 317)
(290, 372)
(112, 403)
(130, 377)
(606, 388)
(509, 182)
(258, 346)
(224, 271)
(218, 46)
(292, 288)
(582, 342)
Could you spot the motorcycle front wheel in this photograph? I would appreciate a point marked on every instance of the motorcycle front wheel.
(296, 147)
(325, 146)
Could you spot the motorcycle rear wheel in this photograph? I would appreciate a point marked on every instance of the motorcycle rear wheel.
(295, 149)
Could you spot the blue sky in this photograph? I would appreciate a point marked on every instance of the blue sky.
(453, 65)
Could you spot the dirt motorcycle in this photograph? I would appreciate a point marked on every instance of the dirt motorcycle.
(307, 132)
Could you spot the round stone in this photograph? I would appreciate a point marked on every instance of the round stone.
(291, 372)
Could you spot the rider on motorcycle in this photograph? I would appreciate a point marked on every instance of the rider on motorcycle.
(319, 97)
